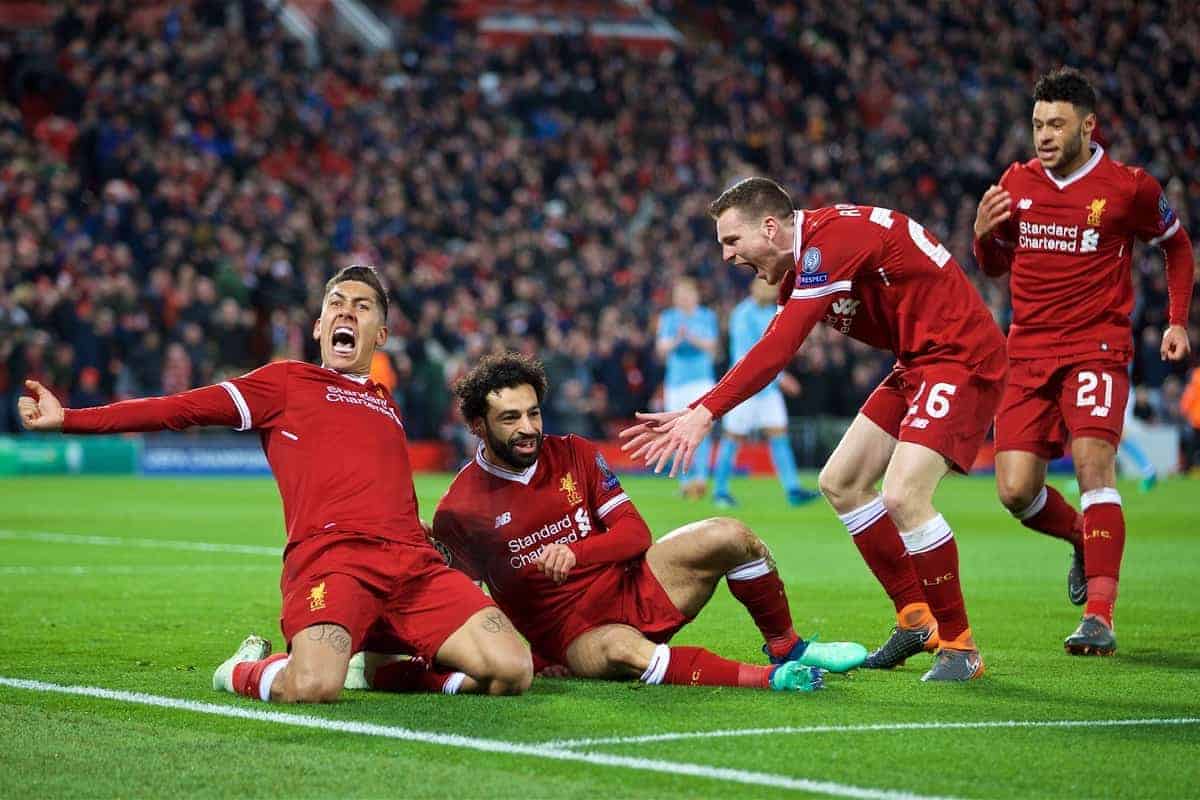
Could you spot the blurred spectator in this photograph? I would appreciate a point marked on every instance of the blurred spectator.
(1189, 409)
(230, 335)
(87, 391)
(176, 370)
(174, 203)
(382, 371)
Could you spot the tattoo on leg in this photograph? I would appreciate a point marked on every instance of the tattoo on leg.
(333, 635)
(495, 622)
(758, 549)
(770, 559)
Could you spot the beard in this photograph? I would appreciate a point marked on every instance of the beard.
(1071, 148)
(506, 451)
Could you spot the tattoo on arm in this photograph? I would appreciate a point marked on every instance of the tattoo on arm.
(335, 636)
(495, 622)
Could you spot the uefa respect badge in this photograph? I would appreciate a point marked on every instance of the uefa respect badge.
(810, 268)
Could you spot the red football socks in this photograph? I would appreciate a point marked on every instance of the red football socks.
(1102, 596)
(879, 542)
(410, 675)
(1052, 515)
(248, 675)
(695, 666)
(757, 586)
(1103, 546)
(935, 556)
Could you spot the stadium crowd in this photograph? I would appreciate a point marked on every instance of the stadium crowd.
(174, 196)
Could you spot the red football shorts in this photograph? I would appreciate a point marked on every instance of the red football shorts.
(1050, 401)
(945, 407)
(624, 594)
(403, 592)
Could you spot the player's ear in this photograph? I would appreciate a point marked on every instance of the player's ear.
(317, 329)
(1089, 124)
(476, 426)
(770, 227)
(381, 336)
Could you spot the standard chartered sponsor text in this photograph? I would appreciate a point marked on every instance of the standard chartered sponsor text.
(560, 531)
(335, 394)
(1049, 236)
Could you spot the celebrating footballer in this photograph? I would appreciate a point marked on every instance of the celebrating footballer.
(1062, 225)
(878, 276)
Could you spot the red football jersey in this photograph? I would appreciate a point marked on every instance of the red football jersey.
(493, 523)
(1070, 244)
(877, 276)
(335, 444)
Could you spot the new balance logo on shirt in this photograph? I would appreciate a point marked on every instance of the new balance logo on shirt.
(503, 519)
(845, 306)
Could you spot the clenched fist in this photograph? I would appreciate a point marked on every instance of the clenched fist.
(42, 412)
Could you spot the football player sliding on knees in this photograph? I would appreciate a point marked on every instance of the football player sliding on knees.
(357, 564)
(544, 522)
(878, 276)
(1063, 224)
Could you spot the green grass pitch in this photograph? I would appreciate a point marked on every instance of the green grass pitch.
(123, 603)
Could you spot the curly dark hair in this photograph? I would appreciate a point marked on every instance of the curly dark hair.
(365, 274)
(756, 197)
(496, 372)
(1066, 83)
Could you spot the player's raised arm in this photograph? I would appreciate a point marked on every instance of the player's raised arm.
(992, 251)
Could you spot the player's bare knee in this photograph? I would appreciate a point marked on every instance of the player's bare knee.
(827, 484)
(732, 538)
(904, 505)
(894, 499)
(840, 494)
(1016, 494)
(508, 673)
(310, 687)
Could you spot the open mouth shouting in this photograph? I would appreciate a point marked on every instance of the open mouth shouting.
(343, 340)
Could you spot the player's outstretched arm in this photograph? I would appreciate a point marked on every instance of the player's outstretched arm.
(668, 436)
(42, 412)
(679, 445)
(648, 429)
(209, 405)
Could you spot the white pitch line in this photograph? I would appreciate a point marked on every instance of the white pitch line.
(474, 743)
(160, 544)
(882, 726)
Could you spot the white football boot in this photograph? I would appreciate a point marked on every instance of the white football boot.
(252, 648)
